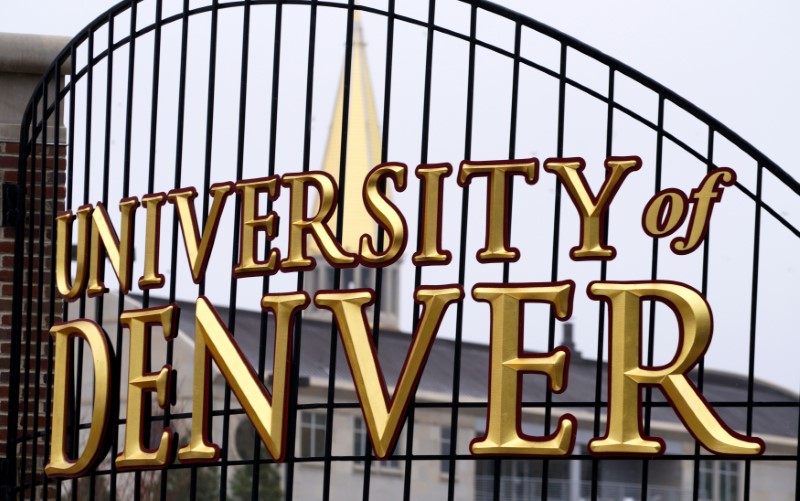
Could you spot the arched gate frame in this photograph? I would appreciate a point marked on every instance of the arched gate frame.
(65, 167)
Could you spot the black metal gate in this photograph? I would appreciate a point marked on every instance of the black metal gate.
(156, 95)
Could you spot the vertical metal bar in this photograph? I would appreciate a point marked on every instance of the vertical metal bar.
(426, 104)
(648, 392)
(411, 409)
(255, 468)
(69, 184)
(512, 135)
(40, 292)
(601, 307)
(704, 292)
(426, 115)
(497, 472)
(376, 322)
(29, 310)
(74, 411)
(114, 418)
(273, 146)
(751, 363)
(512, 153)
(87, 163)
(70, 187)
(387, 84)
(291, 432)
(797, 462)
(70, 88)
(18, 302)
(209, 144)
(126, 165)
(223, 462)
(367, 463)
(426, 111)
(151, 163)
(176, 184)
(562, 98)
(25, 292)
(601, 315)
(462, 259)
(348, 59)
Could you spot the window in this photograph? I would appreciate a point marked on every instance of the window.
(359, 437)
(444, 449)
(719, 480)
(348, 279)
(520, 479)
(367, 278)
(312, 434)
(329, 275)
(361, 440)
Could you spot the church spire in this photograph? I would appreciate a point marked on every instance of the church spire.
(363, 143)
(363, 153)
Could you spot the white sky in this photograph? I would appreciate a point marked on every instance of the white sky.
(736, 60)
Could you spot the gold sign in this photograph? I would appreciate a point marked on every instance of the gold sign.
(385, 415)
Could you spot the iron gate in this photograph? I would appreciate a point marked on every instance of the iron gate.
(156, 95)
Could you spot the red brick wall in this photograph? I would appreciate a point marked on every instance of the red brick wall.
(31, 417)
(8, 174)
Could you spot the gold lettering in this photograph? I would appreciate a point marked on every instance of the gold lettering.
(386, 214)
(300, 226)
(152, 279)
(140, 323)
(503, 427)
(198, 250)
(252, 223)
(626, 374)
(430, 250)
(383, 415)
(266, 412)
(592, 209)
(498, 173)
(71, 291)
(120, 253)
(664, 213)
(59, 465)
(708, 194)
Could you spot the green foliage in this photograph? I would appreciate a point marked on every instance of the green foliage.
(269, 477)
(269, 483)
(179, 481)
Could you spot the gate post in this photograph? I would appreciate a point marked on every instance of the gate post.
(23, 61)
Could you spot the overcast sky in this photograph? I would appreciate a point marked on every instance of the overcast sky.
(736, 59)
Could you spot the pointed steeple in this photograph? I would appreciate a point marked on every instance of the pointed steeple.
(363, 143)
(363, 153)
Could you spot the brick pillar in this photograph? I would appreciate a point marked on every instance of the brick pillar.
(23, 61)
(8, 174)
